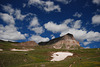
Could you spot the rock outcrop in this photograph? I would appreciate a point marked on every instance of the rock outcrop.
(66, 42)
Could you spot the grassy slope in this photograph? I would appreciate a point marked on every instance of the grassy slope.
(41, 56)
(5, 45)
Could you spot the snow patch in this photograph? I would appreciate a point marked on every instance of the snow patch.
(59, 56)
(21, 49)
(1, 49)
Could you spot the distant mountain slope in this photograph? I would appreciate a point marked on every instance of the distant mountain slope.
(8, 45)
(67, 42)
(28, 43)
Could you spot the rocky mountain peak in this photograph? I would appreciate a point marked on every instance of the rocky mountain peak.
(66, 42)
(68, 37)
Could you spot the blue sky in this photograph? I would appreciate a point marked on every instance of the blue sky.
(43, 20)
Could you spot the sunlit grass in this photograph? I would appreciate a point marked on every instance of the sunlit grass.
(41, 57)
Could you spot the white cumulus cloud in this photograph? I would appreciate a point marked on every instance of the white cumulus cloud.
(10, 33)
(7, 18)
(16, 13)
(46, 5)
(77, 24)
(34, 22)
(96, 19)
(96, 2)
(93, 36)
(55, 27)
(50, 6)
(86, 43)
(67, 21)
(24, 5)
(77, 15)
(8, 8)
(35, 26)
(38, 30)
(64, 1)
(38, 38)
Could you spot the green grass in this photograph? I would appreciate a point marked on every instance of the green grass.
(6, 45)
(40, 58)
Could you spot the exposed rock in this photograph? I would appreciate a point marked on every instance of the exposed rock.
(67, 42)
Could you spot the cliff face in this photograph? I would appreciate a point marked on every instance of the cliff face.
(66, 42)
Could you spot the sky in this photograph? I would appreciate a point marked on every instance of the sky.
(43, 20)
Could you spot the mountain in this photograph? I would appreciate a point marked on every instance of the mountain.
(66, 42)
(8, 45)
(28, 43)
